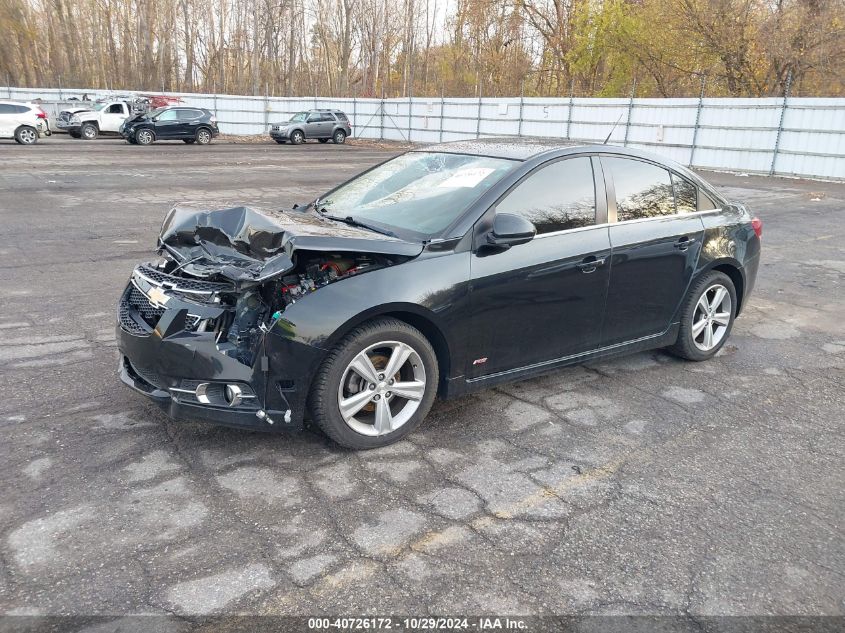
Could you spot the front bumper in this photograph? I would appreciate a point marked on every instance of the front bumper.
(164, 357)
(281, 135)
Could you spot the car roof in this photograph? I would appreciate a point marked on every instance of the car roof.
(13, 102)
(514, 148)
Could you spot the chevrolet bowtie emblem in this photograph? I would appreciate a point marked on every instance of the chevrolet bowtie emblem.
(156, 296)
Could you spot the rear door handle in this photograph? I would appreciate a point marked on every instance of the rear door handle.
(684, 243)
(591, 263)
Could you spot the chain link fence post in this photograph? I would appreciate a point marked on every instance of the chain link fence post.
(521, 106)
(569, 110)
(410, 114)
(630, 109)
(783, 107)
(697, 120)
(442, 105)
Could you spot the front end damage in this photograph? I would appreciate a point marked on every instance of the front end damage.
(202, 330)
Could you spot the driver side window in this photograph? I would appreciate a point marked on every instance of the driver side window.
(167, 115)
(555, 197)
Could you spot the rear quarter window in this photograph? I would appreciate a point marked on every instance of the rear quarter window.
(341, 116)
(686, 194)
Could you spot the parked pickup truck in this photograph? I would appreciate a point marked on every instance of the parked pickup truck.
(107, 115)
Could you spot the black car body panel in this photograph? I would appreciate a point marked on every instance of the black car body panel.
(491, 315)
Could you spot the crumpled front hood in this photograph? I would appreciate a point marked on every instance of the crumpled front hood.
(248, 244)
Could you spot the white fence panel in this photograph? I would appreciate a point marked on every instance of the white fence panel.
(793, 137)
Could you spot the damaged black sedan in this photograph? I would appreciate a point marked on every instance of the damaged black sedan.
(441, 271)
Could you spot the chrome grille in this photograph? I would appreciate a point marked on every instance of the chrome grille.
(182, 284)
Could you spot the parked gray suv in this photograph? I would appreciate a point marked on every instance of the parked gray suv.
(323, 125)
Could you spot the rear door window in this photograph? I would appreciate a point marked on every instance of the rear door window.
(555, 197)
(189, 115)
(643, 190)
(7, 108)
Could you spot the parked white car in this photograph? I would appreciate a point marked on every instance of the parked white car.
(24, 122)
(103, 117)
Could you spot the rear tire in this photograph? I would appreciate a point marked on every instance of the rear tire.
(383, 417)
(297, 137)
(707, 317)
(89, 131)
(26, 135)
(203, 136)
(339, 137)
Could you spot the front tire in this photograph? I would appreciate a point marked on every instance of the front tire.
(26, 135)
(707, 317)
(376, 386)
(88, 131)
(297, 137)
(144, 137)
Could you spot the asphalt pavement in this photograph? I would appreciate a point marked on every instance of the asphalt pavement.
(642, 485)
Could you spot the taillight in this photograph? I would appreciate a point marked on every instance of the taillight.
(757, 225)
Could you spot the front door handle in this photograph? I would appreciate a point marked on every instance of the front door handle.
(684, 243)
(590, 264)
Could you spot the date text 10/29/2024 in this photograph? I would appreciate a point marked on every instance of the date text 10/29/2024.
(485, 623)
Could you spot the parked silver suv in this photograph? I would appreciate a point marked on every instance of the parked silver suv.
(323, 125)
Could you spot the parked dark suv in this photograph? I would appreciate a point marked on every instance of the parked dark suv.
(191, 125)
(323, 125)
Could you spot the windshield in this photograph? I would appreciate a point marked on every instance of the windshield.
(99, 106)
(422, 192)
(299, 116)
(154, 113)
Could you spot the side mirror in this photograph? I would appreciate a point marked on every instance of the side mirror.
(509, 230)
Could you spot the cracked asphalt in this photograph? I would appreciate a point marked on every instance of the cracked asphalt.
(642, 485)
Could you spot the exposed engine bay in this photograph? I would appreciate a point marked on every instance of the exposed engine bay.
(234, 272)
(250, 310)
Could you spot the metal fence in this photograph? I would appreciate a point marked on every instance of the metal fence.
(782, 136)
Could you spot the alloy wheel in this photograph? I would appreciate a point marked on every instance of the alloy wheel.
(144, 137)
(203, 137)
(28, 136)
(711, 317)
(381, 388)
